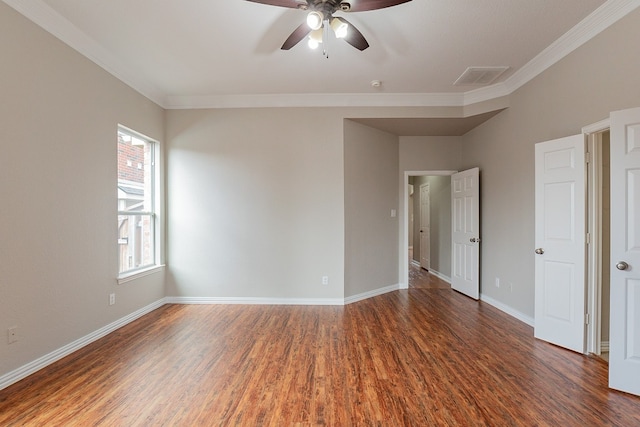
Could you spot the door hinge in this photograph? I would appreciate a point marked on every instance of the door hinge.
(587, 157)
(588, 238)
(586, 318)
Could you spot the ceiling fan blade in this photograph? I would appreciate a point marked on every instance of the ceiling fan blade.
(362, 5)
(295, 37)
(354, 36)
(293, 4)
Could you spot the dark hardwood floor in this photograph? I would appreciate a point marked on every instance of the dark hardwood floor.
(426, 356)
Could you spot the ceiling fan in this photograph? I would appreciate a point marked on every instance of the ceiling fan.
(320, 18)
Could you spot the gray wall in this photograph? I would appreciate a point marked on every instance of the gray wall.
(370, 191)
(440, 221)
(59, 114)
(423, 154)
(606, 237)
(583, 88)
(256, 203)
(257, 200)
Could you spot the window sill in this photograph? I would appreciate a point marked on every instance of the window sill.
(128, 277)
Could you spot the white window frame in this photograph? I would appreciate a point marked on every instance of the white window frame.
(154, 212)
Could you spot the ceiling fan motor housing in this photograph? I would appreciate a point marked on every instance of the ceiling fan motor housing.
(328, 7)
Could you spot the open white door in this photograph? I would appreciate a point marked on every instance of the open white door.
(624, 335)
(465, 221)
(560, 242)
(425, 227)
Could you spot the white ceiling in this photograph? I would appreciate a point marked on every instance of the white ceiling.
(217, 53)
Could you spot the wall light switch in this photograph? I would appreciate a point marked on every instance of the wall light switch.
(393, 213)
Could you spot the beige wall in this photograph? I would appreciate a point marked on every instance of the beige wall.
(256, 196)
(606, 237)
(58, 260)
(424, 154)
(370, 192)
(256, 203)
(440, 222)
(582, 89)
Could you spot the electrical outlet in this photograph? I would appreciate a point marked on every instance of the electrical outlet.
(497, 282)
(112, 299)
(12, 335)
(325, 280)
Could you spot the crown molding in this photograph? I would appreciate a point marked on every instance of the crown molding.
(316, 100)
(49, 20)
(599, 20)
(603, 17)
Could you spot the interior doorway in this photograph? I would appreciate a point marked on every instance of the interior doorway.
(599, 262)
(430, 267)
(425, 226)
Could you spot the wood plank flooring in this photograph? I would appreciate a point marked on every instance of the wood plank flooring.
(417, 357)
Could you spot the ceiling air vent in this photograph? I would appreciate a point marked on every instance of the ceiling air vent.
(480, 76)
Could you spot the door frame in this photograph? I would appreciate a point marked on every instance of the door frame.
(403, 270)
(594, 255)
(428, 238)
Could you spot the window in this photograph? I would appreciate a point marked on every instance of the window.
(137, 203)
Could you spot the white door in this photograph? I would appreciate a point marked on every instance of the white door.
(425, 230)
(465, 221)
(624, 335)
(560, 236)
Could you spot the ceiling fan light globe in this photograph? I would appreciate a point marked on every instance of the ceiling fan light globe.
(312, 44)
(339, 28)
(314, 19)
(316, 35)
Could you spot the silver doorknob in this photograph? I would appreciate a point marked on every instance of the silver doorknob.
(472, 240)
(539, 251)
(621, 265)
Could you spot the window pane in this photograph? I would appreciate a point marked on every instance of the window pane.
(135, 241)
(135, 202)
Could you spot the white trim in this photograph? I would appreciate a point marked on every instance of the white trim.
(594, 246)
(24, 371)
(50, 20)
(403, 273)
(47, 18)
(128, 277)
(316, 100)
(597, 127)
(440, 276)
(254, 301)
(370, 294)
(602, 18)
(506, 309)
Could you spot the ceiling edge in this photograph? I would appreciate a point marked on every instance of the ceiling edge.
(603, 17)
(317, 100)
(49, 20)
(598, 21)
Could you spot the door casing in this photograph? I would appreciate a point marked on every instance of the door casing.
(403, 273)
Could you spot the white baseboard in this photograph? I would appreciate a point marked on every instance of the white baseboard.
(30, 368)
(441, 276)
(370, 294)
(254, 301)
(24, 371)
(510, 311)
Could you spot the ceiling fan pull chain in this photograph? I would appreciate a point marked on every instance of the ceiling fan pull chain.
(325, 37)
